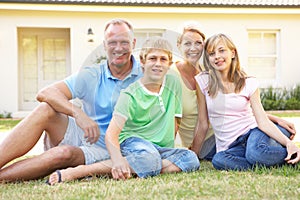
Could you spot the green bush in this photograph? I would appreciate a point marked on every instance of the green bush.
(295, 93)
(292, 104)
(280, 98)
(270, 104)
(272, 98)
(5, 114)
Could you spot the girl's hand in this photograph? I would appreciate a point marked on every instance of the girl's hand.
(293, 153)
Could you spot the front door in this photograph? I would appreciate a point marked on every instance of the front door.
(44, 57)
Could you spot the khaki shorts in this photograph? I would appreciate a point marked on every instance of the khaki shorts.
(74, 136)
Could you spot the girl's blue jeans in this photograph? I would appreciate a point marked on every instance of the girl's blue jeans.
(254, 148)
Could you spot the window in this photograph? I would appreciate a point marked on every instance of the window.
(263, 54)
(141, 35)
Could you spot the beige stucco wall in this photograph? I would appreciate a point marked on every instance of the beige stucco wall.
(78, 20)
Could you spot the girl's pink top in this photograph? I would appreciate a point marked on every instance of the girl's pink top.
(229, 114)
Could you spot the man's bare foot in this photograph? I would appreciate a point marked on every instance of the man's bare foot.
(54, 178)
(69, 174)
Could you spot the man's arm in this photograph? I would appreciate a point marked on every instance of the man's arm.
(58, 96)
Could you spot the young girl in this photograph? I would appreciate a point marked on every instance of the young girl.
(191, 44)
(244, 135)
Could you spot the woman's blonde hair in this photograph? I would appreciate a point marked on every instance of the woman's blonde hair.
(190, 28)
(235, 73)
(155, 42)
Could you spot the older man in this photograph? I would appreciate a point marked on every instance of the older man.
(72, 133)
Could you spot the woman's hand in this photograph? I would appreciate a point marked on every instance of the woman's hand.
(288, 126)
(285, 124)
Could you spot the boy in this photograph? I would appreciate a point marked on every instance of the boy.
(140, 135)
(142, 127)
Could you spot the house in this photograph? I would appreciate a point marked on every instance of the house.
(42, 41)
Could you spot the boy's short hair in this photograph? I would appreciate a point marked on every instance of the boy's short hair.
(155, 42)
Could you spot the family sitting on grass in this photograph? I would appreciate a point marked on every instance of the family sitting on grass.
(132, 109)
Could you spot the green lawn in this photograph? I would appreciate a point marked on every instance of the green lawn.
(285, 113)
(207, 183)
(7, 124)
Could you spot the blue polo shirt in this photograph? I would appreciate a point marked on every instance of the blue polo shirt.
(99, 90)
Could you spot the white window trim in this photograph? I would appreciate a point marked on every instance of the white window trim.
(269, 82)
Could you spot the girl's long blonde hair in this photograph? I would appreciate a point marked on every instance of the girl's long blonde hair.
(235, 74)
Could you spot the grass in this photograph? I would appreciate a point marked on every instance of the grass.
(207, 183)
(8, 124)
(285, 113)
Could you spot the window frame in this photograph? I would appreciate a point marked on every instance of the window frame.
(276, 56)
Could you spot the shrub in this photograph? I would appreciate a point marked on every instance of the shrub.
(280, 98)
(5, 114)
(292, 104)
(272, 98)
(273, 105)
(295, 93)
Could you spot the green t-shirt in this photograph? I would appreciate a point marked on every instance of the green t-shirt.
(150, 116)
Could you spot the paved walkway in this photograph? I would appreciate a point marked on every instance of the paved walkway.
(39, 148)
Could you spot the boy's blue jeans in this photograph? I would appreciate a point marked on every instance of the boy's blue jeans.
(145, 158)
(250, 149)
